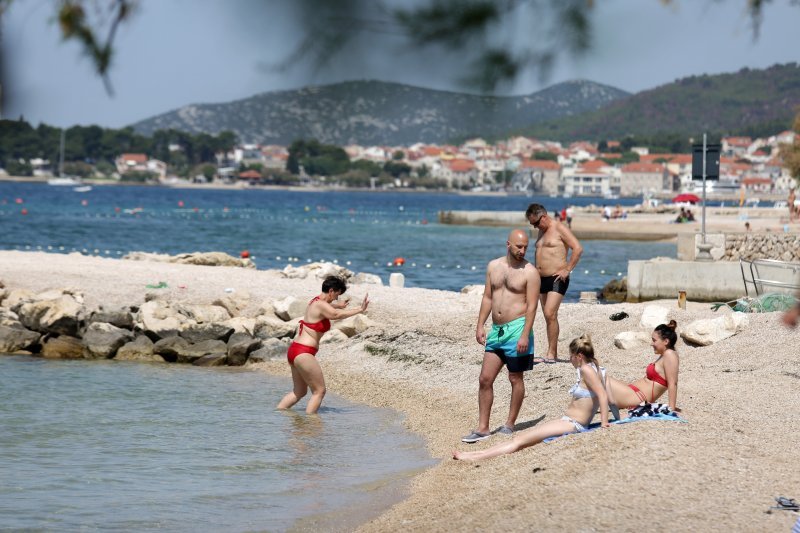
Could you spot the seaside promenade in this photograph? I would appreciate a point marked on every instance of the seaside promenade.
(720, 471)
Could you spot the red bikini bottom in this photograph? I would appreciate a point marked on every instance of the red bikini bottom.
(296, 349)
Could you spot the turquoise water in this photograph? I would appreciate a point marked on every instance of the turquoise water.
(363, 231)
(135, 447)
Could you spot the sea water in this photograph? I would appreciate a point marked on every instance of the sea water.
(96, 445)
(362, 231)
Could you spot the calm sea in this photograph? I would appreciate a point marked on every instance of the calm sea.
(364, 231)
(105, 445)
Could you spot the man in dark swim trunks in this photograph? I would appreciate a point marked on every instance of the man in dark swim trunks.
(553, 243)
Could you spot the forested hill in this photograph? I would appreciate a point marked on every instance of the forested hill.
(748, 102)
(377, 113)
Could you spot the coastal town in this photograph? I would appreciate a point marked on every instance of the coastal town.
(749, 168)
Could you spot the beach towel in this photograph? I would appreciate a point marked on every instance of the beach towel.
(644, 411)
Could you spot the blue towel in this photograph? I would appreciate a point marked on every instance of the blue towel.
(596, 425)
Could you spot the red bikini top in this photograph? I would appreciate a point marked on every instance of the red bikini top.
(653, 375)
(322, 326)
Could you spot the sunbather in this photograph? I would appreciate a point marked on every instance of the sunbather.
(588, 394)
(661, 375)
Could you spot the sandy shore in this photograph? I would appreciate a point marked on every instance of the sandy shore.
(720, 471)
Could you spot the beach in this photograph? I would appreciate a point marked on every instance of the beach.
(720, 471)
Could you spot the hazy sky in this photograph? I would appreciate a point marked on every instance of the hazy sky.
(179, 52)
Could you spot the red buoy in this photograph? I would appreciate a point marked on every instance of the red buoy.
(245, 254)
(399, 261)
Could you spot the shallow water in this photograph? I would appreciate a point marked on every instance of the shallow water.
(136, 446)
(360, 230)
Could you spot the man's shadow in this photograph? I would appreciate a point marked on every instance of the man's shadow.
(529, 424)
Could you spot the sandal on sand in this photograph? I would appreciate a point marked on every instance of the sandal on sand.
(475, 437)
(785, 504)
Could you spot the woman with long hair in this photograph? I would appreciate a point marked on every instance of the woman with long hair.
(587, 395)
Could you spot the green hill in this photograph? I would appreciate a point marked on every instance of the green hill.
(748, 102)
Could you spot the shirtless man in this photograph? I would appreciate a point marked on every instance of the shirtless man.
(552, 245)
(511, 295)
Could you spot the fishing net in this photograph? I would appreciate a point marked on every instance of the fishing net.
(765, 303)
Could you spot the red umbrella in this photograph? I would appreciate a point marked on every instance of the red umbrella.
(686, 197)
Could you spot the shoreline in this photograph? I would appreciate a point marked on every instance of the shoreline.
(412, 363)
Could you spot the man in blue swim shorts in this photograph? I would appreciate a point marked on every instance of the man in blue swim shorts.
(511, 295)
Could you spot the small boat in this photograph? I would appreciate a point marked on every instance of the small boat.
(63, 181)
(82, 188)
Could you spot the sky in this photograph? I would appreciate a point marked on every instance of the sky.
(174, 53)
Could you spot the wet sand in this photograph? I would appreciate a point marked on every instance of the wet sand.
(720, 471)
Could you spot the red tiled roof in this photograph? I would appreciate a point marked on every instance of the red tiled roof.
(461, 165)
(738, 141)
(610, 156)
(136, 158)
(756, 181)
(540, 163)
(643, 167)
(250, 174)
(593, 166)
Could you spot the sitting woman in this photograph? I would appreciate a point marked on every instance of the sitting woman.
(306, 372)
(588, 394)
(661, 375)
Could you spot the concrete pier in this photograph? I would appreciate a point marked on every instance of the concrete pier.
(719, 281)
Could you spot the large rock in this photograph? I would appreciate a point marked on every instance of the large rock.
(103, 340)
(240, 345)
(269, 327)
(708, 331)
(170, 347)
(14, 339)
(9, 318)
(353, 325)
(319, 270)
(207, 332)
(122, 317)
(212, 259)
(363, 278)
(241, 324)
(214, 359)
(333, 336)
(628, 340)
(159, 320)
(289, 308)
(270, 349)
(652, 316)
(266, 308)
(616, 290)
(61, 315)
(473, 289)
(16, 297)
(234, 305)
(203, 313)
(139, 349)
(62, 347)
(195, 351)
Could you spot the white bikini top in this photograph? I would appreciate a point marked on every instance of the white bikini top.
(579, 392)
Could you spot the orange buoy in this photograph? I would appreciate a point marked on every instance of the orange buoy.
(180, 203)
(24, 211)
(245, 254)
(399, 261)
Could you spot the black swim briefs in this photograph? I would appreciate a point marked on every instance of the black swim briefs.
(554, 284)
(520, 363)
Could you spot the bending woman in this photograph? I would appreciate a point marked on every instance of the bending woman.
(588, 394)
(661, 375)
(306, 372)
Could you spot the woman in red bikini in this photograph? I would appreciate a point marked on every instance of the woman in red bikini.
(306, 372)
(661, 375)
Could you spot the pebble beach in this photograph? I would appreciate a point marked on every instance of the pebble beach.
(720, 471)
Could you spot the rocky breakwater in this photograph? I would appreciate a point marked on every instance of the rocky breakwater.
(750, 246)
(56, 324)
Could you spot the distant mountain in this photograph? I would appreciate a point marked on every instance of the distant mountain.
(748, 102)
(378, 113)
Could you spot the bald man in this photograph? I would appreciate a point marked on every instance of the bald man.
(511, 295)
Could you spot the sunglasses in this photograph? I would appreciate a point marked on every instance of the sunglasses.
(536, 224)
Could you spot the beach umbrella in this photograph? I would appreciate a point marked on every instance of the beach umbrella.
(686, 197)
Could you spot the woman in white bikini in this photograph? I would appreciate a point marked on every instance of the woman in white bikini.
(588, 394)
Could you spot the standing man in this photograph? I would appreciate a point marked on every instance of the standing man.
(511, 295)
(552, 245)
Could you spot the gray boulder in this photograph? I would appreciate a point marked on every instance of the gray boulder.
(103, 340)
(270, 327)
(240, 345)
(203, 313)
(116, 316)
(207, 332)
(235, 304)
(14, 339)
(159, 320)
(62, 315)
(139, 349)
(708, 331)
(628, 340)
(63, 347)
(214, 359)
(353, 325)
(170, 347)
(195, 351)
(270, 349)
(14, 298)
(289, 308)
(9, 318)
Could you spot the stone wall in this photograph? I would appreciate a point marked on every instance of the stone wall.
(749, 246)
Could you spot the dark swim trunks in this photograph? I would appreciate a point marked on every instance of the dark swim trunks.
(554, 284)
